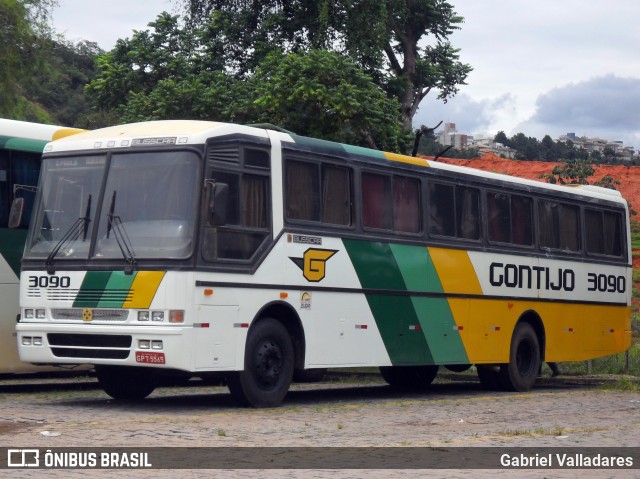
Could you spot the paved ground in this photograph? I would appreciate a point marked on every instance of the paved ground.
(344, 412)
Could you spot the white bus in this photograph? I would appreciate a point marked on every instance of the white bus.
(21, 145)
(188, 247)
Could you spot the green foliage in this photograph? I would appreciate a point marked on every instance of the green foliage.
(572, 172)
(163, 73)
(41, 77)
(529, 148)
(16, 51)
(381, 37)
(323, 94)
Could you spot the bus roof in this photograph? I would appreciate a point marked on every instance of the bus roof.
(31, 137)
(198, 131)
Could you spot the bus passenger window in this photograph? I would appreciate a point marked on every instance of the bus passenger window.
(309, 199)
(468, 213)
(521, 221)
(603, 232)
(441, 210)
(336, 195)
(499, 217)
(559, 226)
(376, 201)
(406, 204)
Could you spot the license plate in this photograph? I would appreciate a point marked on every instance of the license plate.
(149, 357)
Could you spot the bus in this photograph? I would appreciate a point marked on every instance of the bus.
(191, 248)
(21, 145)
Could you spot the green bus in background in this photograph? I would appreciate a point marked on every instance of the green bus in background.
(21, 146)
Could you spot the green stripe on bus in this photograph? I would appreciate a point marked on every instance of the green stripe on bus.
(12, 246)
(22, 144)
(116, 290)
(395, 315)
(434, 314)
(92, 289)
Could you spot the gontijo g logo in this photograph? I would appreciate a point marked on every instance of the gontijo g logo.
(313, 263)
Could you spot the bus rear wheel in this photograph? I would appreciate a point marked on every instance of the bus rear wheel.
(126, 382)
(524, 360)
(409, 378)
(268, 366)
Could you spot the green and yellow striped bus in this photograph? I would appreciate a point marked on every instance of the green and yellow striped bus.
(21, 145)
(195, 248)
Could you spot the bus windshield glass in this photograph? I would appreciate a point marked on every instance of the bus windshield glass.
(69, 190)
(148, 202)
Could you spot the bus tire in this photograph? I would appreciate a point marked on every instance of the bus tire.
(126, 382)
(489, 376)
(268, 366)
(409, 378)
(524, 360)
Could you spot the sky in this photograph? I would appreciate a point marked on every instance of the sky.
(544, 67)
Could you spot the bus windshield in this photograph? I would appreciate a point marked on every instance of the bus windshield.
(149, 199)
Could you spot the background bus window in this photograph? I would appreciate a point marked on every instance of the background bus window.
(559, 226)
(603, 232)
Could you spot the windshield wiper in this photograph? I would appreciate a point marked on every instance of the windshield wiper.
(114, 222)
(81, 225)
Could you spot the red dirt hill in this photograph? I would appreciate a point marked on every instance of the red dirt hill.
(629, 176)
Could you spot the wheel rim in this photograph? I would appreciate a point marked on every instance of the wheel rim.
(268, 364)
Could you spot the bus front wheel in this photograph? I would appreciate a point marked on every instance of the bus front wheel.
(524, 360)
(126, 382)
(409, 378)
(268, 366)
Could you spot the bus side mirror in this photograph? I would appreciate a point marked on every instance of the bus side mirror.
(15, 215)
(216, 197)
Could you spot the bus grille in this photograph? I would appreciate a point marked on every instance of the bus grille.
(90, 346)
(75, 314)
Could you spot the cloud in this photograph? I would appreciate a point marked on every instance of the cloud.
(470, 115)
(604, 107)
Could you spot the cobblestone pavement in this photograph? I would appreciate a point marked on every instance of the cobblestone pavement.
(74, 413)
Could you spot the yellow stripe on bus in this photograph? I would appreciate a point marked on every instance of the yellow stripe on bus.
(406, 159)
(144, 288)
(63, 132)
(572, 331)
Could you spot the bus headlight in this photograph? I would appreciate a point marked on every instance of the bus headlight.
(28, 314)
(40, 314)
(143, 315)
(157, 316)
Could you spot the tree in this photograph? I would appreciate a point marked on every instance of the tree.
(323, 94)
(16, 39)
(381, 37)
(572, 172)
(164, 73)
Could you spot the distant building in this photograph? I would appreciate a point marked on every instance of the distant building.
(484, 143)
(450, 137)
(625, 153)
